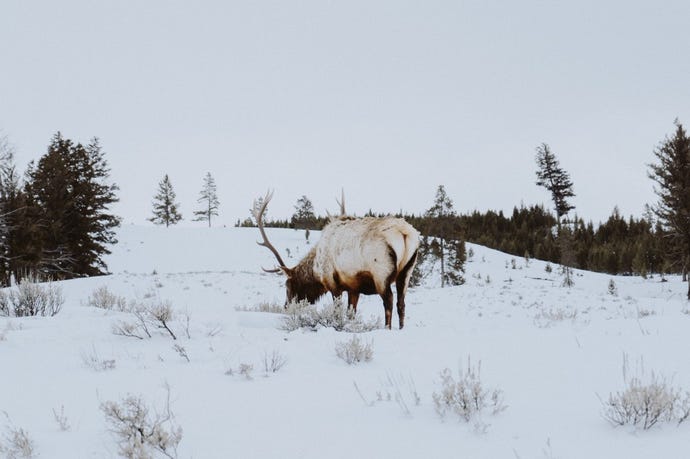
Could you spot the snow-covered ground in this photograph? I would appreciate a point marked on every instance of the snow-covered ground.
(554, 352)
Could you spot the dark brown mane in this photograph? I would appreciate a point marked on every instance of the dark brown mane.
(303, 284)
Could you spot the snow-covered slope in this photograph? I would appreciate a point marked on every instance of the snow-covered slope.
(554, 352)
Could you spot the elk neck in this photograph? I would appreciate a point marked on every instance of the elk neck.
(305, 284)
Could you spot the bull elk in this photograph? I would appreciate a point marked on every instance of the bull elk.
(354, 255)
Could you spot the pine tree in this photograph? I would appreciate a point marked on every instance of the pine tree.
(556, 180)
(421, 270)
(164, 206)
(672, 176)
(9, 209)
(304, 216)
(447, 246)
(209, 198)
(565, 243)
(454, 259)
(67, 221)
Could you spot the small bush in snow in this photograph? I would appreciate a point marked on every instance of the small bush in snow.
(61, 419)
(567, 273)
(336, 316)
(95, 362)
(139, 434)
(646, 403)
(17, 443)
(613, 289)
(5, 306)
(354, 351)
(642, 313)
(182, 352)
(300, 315)
(467, 397)
(9, 326)
(274, 361)
(547, 317)
(31, 298)
(131, 329)
(264, 307)
(157, 314)
(392, 390)
(548, 268)
(161, 314)
(104, 299)
(244, 369)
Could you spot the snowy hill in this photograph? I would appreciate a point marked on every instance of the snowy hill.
(555, 353)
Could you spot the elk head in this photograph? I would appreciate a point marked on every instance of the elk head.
(300, 283)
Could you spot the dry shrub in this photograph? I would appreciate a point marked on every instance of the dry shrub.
(139, 433)
(156, 314)
(336, 315)
(31, 298)
(467, 397)
(104, 299)
(354, 351)
(646, 403)
(274, 361)
(16, 442)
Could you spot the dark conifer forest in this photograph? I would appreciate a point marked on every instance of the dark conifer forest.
(56, 221)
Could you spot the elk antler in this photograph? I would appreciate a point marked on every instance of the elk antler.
(258, 211)
(341, 203)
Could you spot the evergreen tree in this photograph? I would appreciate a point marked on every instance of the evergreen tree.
(10, 206)
(447, 246)
(164, 206)
(209, 198)
(67, 221)
(452, 255)
(672, 176)
(304, 216)
(421, 270)
(555, 180)
(566, 243)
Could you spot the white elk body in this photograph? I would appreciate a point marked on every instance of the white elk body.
(354, 251)
(354, 256)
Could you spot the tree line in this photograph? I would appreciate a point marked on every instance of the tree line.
(658, 242)
(55, 219)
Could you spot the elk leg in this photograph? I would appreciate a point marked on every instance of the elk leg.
(400, 290)
(352, 300)
(387, 298)
(401, 287)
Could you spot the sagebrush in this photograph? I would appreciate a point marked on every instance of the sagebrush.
(16, 442)
(646, 403)
(139, 433)
(103, 298)
(336, 315)
(467, 397)
(274, 361)
(354, 350)
(31, 298)
(155, 314)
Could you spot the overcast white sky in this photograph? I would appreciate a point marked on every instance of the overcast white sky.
(387, 99)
